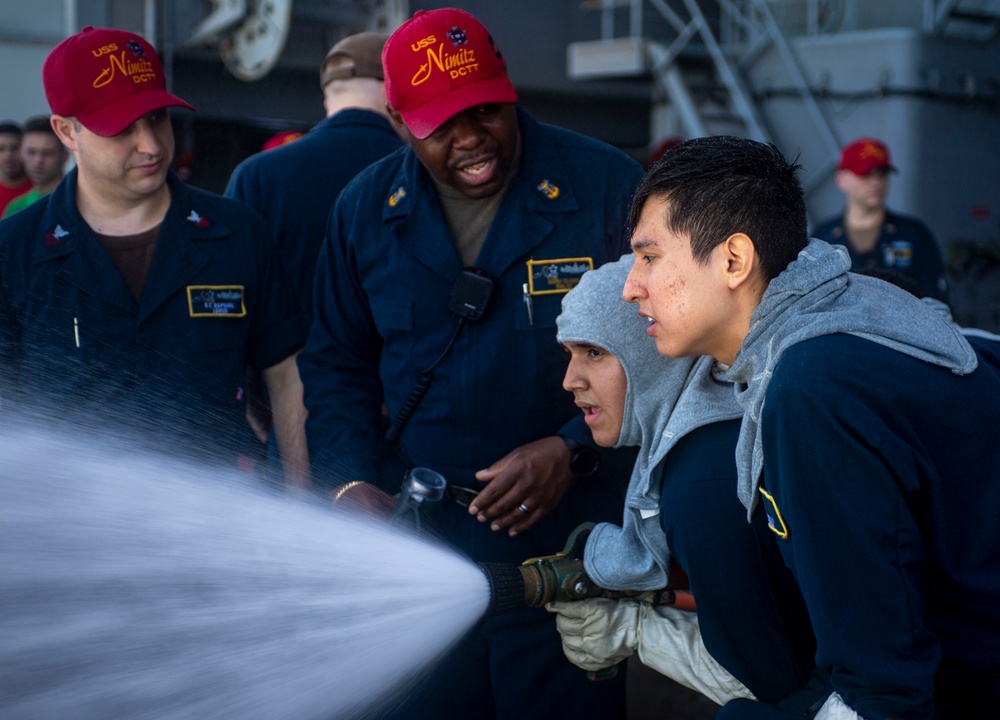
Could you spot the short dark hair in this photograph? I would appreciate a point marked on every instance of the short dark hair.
(721, 185)
(39, 123)
(9, 127)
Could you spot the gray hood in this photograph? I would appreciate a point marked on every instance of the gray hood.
(816, 295)
(665, 400)
(594, 313)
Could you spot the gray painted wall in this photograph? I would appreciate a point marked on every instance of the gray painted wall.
(946, 144)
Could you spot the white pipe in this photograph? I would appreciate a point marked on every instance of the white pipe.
(70, 22)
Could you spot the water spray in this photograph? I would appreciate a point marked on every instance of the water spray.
(135, 587)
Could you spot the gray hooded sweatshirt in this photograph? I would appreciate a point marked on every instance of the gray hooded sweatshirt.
(814, 296)
(665, 400)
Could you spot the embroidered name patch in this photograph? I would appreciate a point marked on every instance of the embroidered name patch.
(548, 277)
(774, 519)
(898, 253)
(216, 301)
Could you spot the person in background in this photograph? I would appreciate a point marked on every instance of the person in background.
(436, 293)
(13, 181)
(131, 303)
(866, 436)
(750, 636)
(875, 236)
(44, 157)
(294, 183)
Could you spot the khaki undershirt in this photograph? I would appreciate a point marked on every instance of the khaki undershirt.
(132, 255)
(468, 219)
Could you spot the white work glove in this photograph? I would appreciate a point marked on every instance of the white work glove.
(836, 709)
(670, 642)
(600, 632)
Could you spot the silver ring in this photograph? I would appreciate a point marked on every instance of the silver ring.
(524, 508)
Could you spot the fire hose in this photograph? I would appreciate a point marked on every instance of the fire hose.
(562, 577)
(537, 581)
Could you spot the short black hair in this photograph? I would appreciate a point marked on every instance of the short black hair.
(9, 127)
(720, 185)
(39, 123)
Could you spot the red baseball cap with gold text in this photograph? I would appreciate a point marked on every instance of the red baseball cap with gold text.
(865, 155)
(107, 79)
(439, 63)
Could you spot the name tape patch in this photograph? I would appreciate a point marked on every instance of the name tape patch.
(548, 277)
(216, 301)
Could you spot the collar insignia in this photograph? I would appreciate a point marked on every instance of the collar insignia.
(397, 196)
(199, 221)
(56, 236)
(548, 189)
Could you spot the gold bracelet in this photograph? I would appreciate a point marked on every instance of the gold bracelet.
(344, 488)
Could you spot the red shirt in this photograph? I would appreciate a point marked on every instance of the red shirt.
(9, 192)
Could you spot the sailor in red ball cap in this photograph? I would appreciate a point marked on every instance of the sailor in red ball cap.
(437, 291)
(132, 302)
(877, 238)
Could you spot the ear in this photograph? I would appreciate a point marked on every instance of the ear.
(65, 131)
(741, 260)
(841, 180)
(397, 120)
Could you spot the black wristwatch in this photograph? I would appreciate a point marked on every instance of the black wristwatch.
(583, 459)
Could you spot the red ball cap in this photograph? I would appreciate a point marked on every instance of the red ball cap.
(440, 62)
(107, 79)
(864, 155)
(279, 139)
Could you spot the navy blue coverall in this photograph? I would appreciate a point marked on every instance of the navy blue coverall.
(294, 186)
(905, 245)
(382, 290)
(169, 369)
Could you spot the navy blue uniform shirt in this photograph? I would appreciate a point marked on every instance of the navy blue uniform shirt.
(381, 315)
(383, 286)
(294, 186)
(73, 337)
(905, 245)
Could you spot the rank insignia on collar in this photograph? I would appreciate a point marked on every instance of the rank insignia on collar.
(56, 236)
(199, 221)
(548, 189)
(398, 195)
(774, 520)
